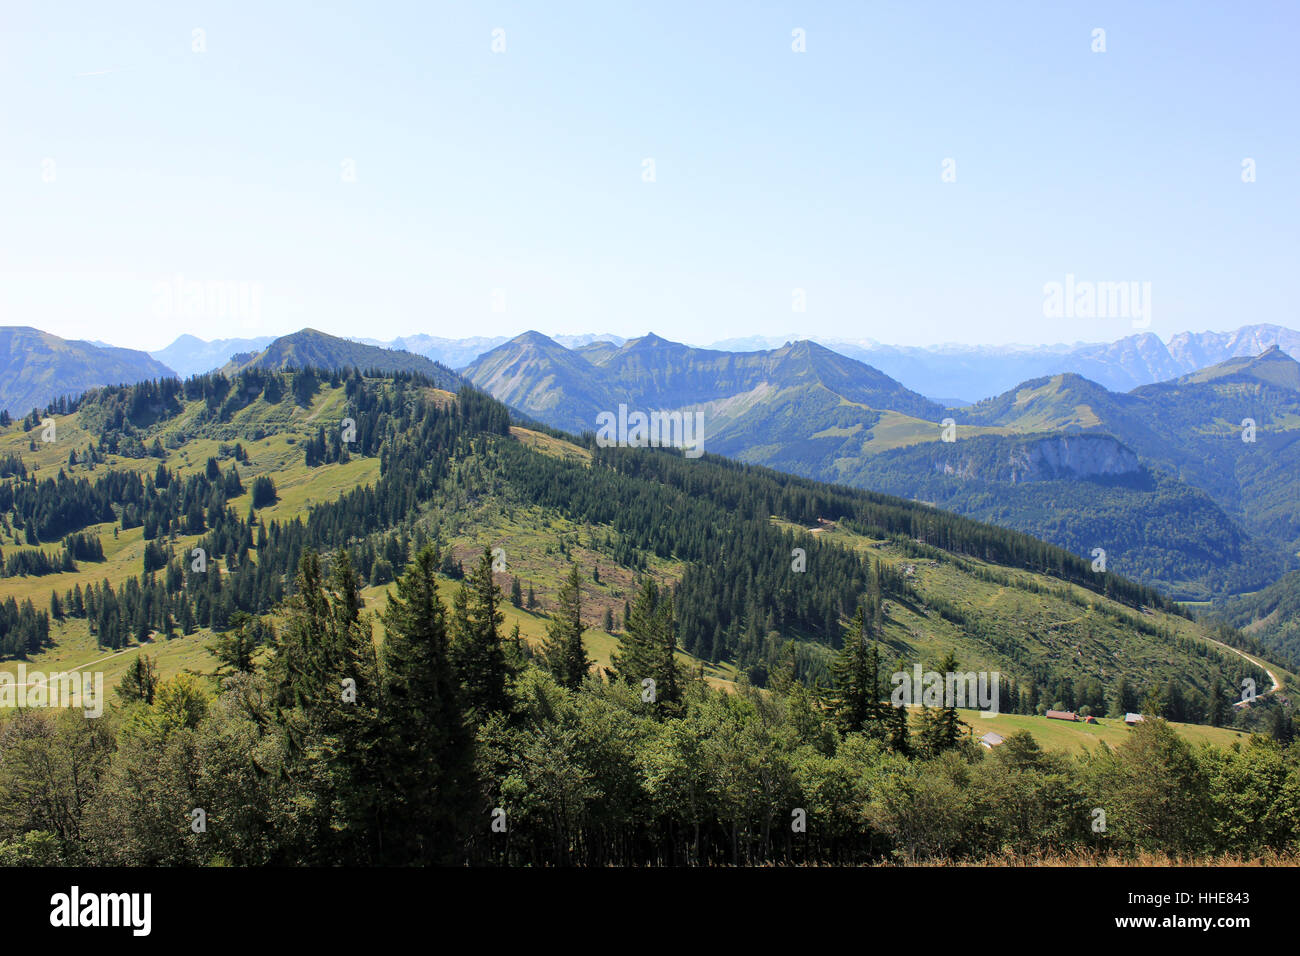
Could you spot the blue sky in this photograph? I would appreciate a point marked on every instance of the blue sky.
(127, 159)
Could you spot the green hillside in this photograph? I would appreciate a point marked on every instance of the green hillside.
(415, 616)
(1078, 736)
(1058, 631)
(1271, 367)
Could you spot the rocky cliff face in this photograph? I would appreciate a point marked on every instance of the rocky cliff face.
(1072, 456)
(1045, 459)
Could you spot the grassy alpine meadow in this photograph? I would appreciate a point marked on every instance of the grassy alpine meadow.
(1077, 736)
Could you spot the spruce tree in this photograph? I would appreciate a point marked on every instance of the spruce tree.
(476, 651)
(649, 644)
(1282, 725)
(327, 699)
(428, 748)
(1217, 707)
(635, 658)
(299, 668)
(140, 682)
(564, 653)
(235, 646)
(666, 682)
(517, 652)
(941, 726)
(897, 732)
(856, 670)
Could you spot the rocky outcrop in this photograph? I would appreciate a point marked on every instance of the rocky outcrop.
(1072, 456)
(1046, 459)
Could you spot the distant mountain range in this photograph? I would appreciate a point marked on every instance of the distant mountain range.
(568, 388)
(1158, 477)
(949, 374)
(457, 353)
(36, 368)
(978, 371)
(191, 356)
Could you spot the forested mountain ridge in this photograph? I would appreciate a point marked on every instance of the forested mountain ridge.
(309, 348)
(431, 464)
(804, 409)
(365, 556)
(1151, 526)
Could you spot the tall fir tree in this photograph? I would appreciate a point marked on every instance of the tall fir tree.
(476, 650)
(429, 756)
(668, 684)
(564, 653)
(898, 734)
(140, 682)
(237, 644)
(857, 705)
(328, 705)
(941, 726)
(649, 645)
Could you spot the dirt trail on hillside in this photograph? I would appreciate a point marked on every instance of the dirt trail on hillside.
(1256, 662)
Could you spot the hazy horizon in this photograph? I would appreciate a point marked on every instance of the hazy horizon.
(721, 343)
(791, 337)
